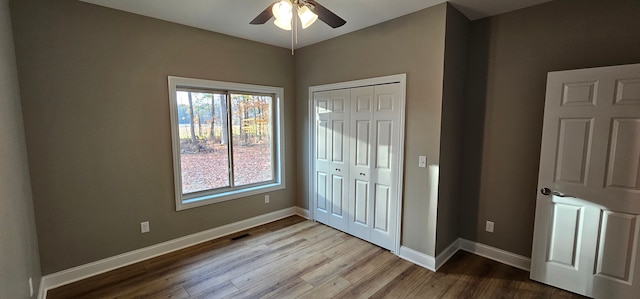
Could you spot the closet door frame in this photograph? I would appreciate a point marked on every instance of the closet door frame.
(399, 78)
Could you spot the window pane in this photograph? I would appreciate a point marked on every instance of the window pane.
(204, 155)
(252, 139)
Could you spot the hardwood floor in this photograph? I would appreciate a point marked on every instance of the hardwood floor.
(296, 258)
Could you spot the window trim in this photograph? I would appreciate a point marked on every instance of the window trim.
(186, 202)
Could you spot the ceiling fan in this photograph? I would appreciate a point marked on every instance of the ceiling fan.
(308, 11)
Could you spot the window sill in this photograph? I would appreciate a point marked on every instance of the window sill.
(225, 196)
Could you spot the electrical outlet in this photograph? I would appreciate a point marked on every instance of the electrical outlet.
(266, 199)
(489, 226)
(144, 227)
(30, 287)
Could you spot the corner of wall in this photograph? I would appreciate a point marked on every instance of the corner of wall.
(18, 238)
(453, 98)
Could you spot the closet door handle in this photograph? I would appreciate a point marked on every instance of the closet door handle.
(338, 169)
(362, 174)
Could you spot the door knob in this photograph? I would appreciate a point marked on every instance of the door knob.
(547, 191)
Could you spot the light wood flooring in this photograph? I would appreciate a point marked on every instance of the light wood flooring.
(297, 258)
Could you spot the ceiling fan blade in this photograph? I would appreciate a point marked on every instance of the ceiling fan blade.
(326, 15)
(264, 16)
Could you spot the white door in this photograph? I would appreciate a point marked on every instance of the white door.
(586, 236)
(374, 159)
(332, 153)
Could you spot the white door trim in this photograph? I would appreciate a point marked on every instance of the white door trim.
(399, 78)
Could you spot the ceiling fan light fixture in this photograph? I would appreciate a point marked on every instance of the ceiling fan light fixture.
(282, 10)
(307, 17)
(283, 23)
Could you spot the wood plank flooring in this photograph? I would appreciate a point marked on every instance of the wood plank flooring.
(297, 258)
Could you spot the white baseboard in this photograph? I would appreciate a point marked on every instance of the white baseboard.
(64, 277)
(427, 261)
(496, 254)
(418, 258)
(433, 264)
(303, 213)
(447, 253)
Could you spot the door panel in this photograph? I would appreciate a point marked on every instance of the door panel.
(623, 169)
(382, 203)
(337, 155)
(361, 202)
(322, 192)
(385, 173)
(331, 146)
(616, 246)
(322, 201)
(579, 94)
(565, 229)
(360, 224)
(386, 101)
(337, 196)
(383, 144)
(565, 255)
(339, 99)
(574, 147)
(321, 141)
(362, 142)
(628, 92)
(586, 233)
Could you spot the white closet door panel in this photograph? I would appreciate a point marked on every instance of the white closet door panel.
(322, 194)
(322, 201)
(381, 207)
(362, 142)
(337, 148)
(339, 169)
(332, 153)
(384, 174)
(339, 213)
(360, 223)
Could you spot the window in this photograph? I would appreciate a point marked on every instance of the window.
(227, 140)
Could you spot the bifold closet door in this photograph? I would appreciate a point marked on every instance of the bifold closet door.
(385, 164)
(332, 154)
(374, 158)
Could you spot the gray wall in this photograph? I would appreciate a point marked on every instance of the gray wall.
(96, 114)
(453, 97)
(18, 242)
(509, 57)
(413, 44)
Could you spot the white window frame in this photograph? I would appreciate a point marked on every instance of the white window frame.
(185, 202)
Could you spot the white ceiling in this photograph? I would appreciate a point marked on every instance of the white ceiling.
(232, 17)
